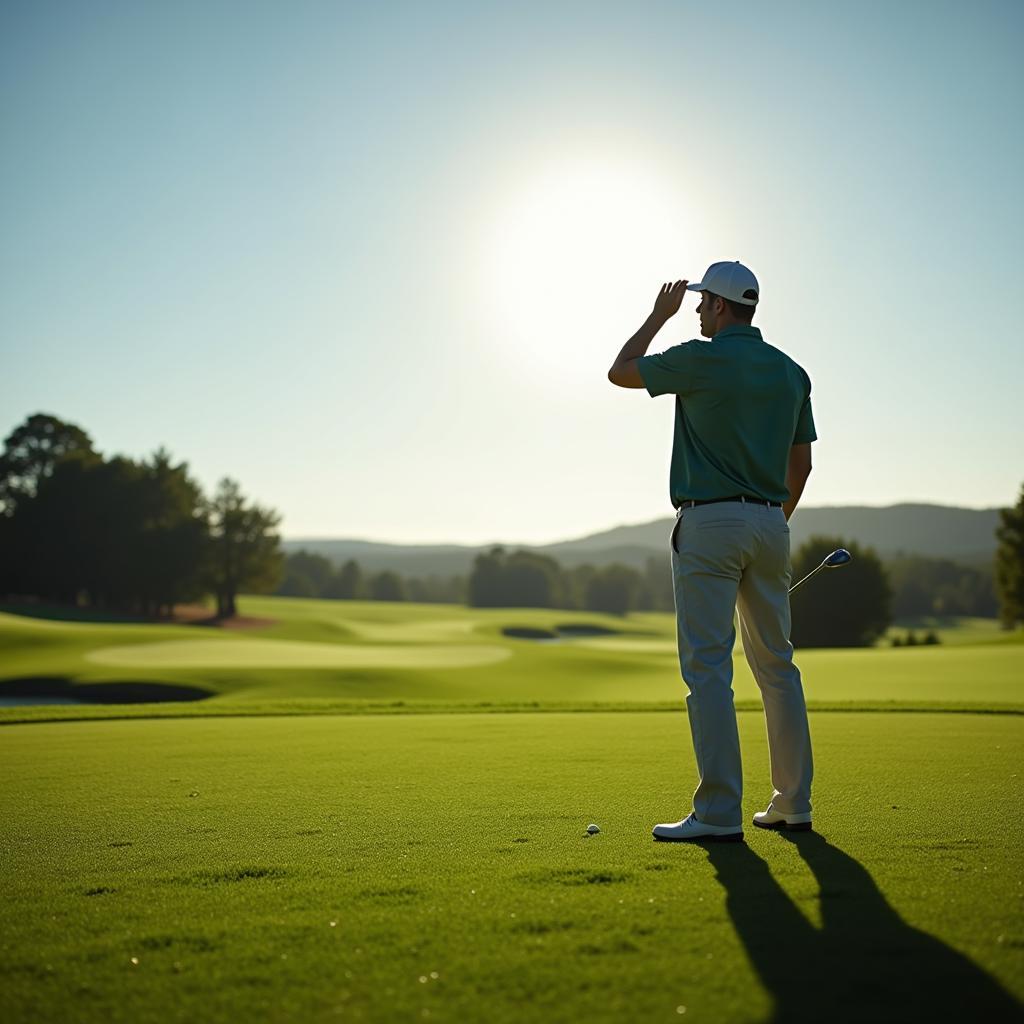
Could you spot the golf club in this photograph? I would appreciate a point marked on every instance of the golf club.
(838, 557)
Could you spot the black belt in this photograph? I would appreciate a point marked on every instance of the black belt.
(691, 502)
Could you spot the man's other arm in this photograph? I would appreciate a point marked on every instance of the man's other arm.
(797, 472)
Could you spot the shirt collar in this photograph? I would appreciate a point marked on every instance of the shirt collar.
(740, 330)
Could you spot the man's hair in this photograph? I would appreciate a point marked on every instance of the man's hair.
(738, 309)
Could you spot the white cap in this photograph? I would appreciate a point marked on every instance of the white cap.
(730, 280)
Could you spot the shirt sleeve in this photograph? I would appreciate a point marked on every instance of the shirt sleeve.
(672, 372)
(805, 432)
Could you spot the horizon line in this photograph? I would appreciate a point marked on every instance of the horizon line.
(618, 526)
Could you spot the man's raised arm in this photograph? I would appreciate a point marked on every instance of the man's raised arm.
(624, 372)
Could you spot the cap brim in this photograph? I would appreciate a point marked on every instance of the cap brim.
(699, 287)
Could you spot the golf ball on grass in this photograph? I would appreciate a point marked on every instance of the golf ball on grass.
(593, 829)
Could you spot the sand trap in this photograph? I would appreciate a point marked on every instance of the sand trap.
(290, 654)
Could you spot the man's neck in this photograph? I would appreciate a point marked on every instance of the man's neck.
(730, 323)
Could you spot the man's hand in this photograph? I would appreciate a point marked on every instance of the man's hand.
(624, 371)
(669, 299)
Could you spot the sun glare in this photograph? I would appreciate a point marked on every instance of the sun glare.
(575, 256)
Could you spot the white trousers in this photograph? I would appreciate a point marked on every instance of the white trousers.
(726, 557)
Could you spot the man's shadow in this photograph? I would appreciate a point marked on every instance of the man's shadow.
(865, 963)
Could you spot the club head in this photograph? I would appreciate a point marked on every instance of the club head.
(838, 557)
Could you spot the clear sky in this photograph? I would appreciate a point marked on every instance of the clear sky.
(374, 260)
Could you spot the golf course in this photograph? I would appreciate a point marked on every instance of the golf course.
(378, 811)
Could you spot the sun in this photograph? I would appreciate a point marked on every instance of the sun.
(574, 256)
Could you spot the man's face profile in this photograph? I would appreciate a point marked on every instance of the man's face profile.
(706, 311)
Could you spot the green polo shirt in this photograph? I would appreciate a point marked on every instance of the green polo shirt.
(741, 404)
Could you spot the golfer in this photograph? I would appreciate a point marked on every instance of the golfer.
(740, 458)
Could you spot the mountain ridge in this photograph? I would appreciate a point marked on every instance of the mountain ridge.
(963, 535)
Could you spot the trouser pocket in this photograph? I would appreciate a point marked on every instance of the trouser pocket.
(672, 537)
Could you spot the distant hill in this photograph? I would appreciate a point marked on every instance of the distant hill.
(964, 535)
(938, 531)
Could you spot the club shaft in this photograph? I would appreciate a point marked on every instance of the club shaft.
(804, 580)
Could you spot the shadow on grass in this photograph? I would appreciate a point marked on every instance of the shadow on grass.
(69, 613)
(182, 615)
(865, 963)
(59, 689)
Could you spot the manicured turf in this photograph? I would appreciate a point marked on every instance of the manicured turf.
(190, 866)
(344, 652)
(305, 869)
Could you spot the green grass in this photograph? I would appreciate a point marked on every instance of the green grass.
(188, 862)
(953, 630)
(376, 868)
(324, 656)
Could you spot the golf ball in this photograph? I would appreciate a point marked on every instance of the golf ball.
(593, 829)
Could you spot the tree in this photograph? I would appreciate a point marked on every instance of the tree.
(296, 583)
(54, 534)
(842, 607)
(170, 535)
(116, 534)
(435, 589)
(31, 452)
(305, 575)
(530, 580)
(1009, 563)
(485, 579)
(386, 586)
(658, 589)
(939, 586)
(243, 551)
(613, 590)
(523, 579)
(577, 580)
(346, 583)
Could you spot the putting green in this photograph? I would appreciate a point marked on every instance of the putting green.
(290, 654)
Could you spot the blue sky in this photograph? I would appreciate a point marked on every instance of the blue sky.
(374, 261)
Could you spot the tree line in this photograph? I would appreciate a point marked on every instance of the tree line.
(854, 613)
(310, 575)
(852, 610)
(499, 579)
(135, 536)
(115, 533)
(920, 586)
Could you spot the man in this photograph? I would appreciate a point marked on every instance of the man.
(740, 458)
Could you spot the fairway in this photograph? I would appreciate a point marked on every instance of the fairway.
(331, 832)
(317, 656)
(437, 866)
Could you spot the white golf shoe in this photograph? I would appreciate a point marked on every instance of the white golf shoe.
(690, 828)
(776, 819)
